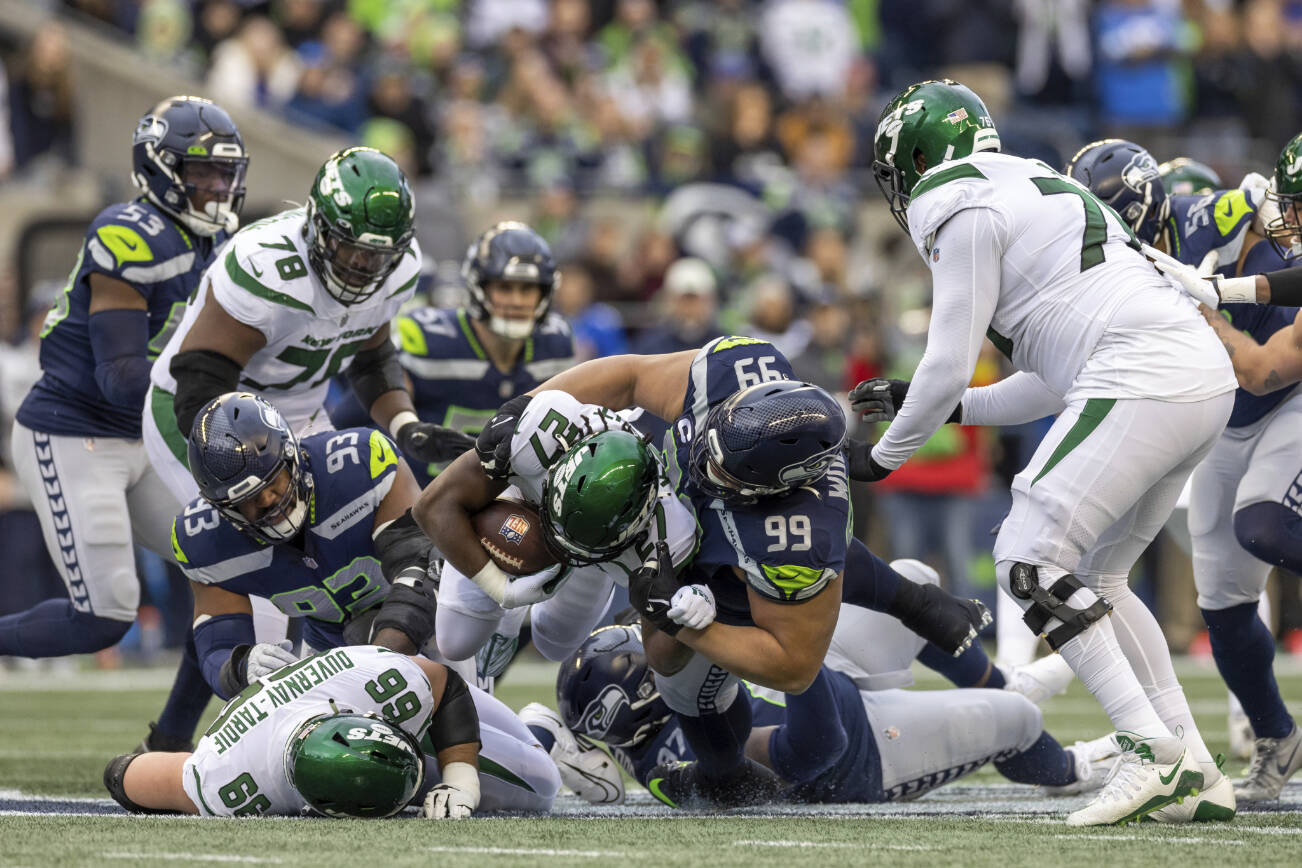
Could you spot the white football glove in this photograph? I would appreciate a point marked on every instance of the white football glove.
(692, 606)
(265, 658)
(1186, 277)
(456, 797)
(511, 592)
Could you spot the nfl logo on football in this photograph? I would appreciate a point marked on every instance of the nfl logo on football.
(514, 528)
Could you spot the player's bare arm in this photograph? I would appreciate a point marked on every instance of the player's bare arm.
(211, 601)
(454, 733)
(210, 358)
(1260, 368)
(153, 781)
(445, 507)
(657, 384)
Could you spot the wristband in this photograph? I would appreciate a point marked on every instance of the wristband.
(1237, 290)
(492, 580)
(400, 420)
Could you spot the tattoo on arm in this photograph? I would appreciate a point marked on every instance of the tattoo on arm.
(1273, 381)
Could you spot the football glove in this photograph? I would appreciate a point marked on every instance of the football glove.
(456, 797)
(427, 443)
(693, 606)
(493, 445)
(265, 658)
(511, 592)
(878, 399)
(651, 589)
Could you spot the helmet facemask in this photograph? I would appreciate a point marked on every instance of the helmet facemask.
(509, 252)
(352, 268)
(281, 521)
(1284, 223)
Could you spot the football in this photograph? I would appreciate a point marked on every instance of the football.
(511, 532)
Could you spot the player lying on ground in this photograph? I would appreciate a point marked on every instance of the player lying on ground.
(355, 731)
(1242, 519)
(757, 456)
(322, 529)
(1033, 259)
(842, 740)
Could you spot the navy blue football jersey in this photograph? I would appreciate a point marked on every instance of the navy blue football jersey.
(787, 547)
(138, 244)
(1219, 221)
(334, 574)
(854, 776)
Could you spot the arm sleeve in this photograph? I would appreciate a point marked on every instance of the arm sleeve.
(965, 290)
(1023, 397)
(119, 341)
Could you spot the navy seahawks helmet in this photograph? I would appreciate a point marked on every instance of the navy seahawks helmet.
(767, 439)
(187, 149)
(238, 446)
(509, 251)
(1125, 177)
(605, 690)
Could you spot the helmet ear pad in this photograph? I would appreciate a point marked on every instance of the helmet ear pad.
(605, 690)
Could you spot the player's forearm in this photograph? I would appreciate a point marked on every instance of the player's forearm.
(1251, 360)
(153, 780)
(445, 507)
(1023, 397)
(757, 655)
(607, 382)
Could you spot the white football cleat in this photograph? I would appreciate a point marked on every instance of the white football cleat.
(1152, 773)
(585, 768)
(1274, 761)
(1095, 761)
(1215, 803)
(1039, 679)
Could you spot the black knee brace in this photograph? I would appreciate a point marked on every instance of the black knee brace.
(1024, 583)
(114, 774)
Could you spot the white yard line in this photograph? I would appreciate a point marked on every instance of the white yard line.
(1145, 839)
(530, 851)
(193, 857)
(832, 844)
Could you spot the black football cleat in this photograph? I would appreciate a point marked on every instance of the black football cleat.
(683, 785)
(164, 743)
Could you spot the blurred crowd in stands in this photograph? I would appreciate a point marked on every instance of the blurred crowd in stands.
(744, 126)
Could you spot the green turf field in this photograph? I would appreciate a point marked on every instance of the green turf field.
(60, 731)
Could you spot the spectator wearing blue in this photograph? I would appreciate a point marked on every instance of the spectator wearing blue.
(1138, 69)
(598, 328)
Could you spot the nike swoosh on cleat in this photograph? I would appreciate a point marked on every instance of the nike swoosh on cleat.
(1282, 767)
(1166, 780)
(654, 787)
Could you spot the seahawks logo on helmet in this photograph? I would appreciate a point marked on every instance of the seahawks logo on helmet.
(795, 475)
(600, 713)
(1141, 170)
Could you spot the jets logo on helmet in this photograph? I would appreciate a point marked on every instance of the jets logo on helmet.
(1284, 201)
(354, 765)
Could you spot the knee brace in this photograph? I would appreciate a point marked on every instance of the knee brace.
(114, 776)
(1024, 584)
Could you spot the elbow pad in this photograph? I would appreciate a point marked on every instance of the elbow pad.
(222, 644)
(201, 375)
(374, 372)
(455, 721)
(119, 341)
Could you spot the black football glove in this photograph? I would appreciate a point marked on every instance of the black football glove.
(878, 399)
(651, 589)
(427, 443)
(860, 465)
(493, 445)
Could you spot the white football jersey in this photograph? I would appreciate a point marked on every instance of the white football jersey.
(238, 767)
(262, 278)
(552, 422)
(1078, 305)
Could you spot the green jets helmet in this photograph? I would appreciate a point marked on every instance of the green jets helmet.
(360, 221)
(1185, 177)
(598, 496)
(1284, 229)
(354, 765)
(932, 121)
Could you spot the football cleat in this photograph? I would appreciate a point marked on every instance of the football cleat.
(1152, 773)
(1214, 803)
(684, 785)
(1274, 761)
(1039, 679)
(1095, 761)
(164, 743)
(585, 768)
